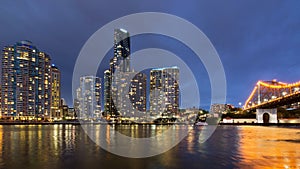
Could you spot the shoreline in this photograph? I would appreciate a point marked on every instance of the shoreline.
(104, 123)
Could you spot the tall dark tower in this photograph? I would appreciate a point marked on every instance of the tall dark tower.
(121, 51)
(120, 61)
(108, 102)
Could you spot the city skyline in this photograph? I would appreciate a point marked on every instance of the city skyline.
(149, 84)
(245, 42)
(28, 73)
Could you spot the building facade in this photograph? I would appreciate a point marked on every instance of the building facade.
(121, 57)
(138, 91)
(124, 89)
(164, 91)
(89, 97)
(55, 92)
(120, 62)
(26, 81)
(107, 93)
(218, 108)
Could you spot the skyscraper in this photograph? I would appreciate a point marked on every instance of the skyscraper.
(120, 61)
(125, 90)
(121, 51)
(108, 103)
(26, 89)
(89, 97)
(164, 91)
(55, 92)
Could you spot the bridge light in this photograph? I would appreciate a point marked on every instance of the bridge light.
(296, 89)
(284, 93)
(274, 97)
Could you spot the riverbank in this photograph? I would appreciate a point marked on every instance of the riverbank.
(104, 123)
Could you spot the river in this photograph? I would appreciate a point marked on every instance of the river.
(68, 146)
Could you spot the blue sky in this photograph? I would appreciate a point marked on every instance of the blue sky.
(256, 40)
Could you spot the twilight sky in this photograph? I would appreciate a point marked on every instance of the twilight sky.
(256, 40)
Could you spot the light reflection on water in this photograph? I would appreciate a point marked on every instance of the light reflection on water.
(269, 147)
(67, 146)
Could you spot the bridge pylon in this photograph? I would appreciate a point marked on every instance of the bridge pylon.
(266, 115)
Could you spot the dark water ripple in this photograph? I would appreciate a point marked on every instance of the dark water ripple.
(67, 146)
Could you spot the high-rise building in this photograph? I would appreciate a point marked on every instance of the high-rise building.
(108, 102)
(125, 87)
(64, 109)
(76, 104)
(26, 88)
(129, 93)
(137, 92)
(120, 61)
(121, 58)
(164, 91)
(89, 97)
(55, 92)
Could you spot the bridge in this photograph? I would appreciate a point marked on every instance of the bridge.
(268, 95)
(272, 94)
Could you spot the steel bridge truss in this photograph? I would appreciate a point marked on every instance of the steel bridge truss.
(271, 94)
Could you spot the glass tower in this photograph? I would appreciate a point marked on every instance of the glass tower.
(120, 61)
(121, 51)
(89, 97)
(123, 87)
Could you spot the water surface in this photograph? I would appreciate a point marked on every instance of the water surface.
(67, 146)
